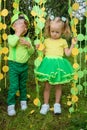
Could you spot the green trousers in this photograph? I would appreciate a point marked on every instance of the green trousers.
(18, 75)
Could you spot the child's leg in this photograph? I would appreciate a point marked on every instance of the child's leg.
(58, 93)
(57, 106)
(45, 106)
(47, 93)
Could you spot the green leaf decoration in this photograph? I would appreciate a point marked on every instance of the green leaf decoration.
(71, 22)
(80, 87)
(80, 74)
(85, 84)
(80, 50)
(71, 109)
(80, 37)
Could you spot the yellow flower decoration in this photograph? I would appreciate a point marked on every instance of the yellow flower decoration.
(1, 76)
(75, 6)
(42, 20)
(28, 96)
(5, 68)
(4, 12)
(75, 51)
(74, 98)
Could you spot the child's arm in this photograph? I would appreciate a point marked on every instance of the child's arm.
(69, 50)
(25, 42)
(13, 40)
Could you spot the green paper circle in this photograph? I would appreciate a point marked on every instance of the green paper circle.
(80, 87)
(80, 50)
(80, 37)
(80, 74)
(85, 84)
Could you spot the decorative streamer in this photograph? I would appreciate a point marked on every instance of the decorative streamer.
(38, 12)
(3, 42)
(77, 13)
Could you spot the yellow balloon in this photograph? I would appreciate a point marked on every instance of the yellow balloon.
(4, 36)
(15, 5)
(5, 58)
(4, 26)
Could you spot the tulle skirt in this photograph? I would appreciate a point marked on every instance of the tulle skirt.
(55, 71)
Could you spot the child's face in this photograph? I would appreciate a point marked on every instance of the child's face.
(55, 30)
(20, 25)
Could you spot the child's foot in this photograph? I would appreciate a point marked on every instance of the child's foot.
(11, 110)
(23, 105)
(44, 109)
(57, 108)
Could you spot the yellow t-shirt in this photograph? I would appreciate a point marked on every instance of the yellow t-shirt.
(55, 48)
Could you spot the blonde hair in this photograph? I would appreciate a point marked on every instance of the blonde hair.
(64, 24)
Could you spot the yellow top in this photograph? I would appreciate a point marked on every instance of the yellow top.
(55, 48)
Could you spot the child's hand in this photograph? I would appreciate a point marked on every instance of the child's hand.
(24, 42)
(37, 46)
(74, 40)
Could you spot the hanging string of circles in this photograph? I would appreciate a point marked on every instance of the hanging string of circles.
(3, 42)
(78, 12)
(39, 14)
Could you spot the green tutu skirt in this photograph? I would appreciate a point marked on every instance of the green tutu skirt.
(55, 71)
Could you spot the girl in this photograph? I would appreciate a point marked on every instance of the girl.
(54, 69)
(20, 49)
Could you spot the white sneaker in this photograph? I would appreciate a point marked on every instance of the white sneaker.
(44, 109)
(11, 110)
(23, 105)
(57, 108)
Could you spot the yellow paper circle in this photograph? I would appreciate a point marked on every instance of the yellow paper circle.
(4, 36)
(15, 5)
(74, 98)
(1, 26)
(69, 103)
(4, 50)
(75, 51)
(1, 76)
(33, 13)
(75, 65)
(4, 26)
(5, 58)
(5, 68)
(75, 6)
(4, 12)
(41, 47)
(36, 101)
(75, 21)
